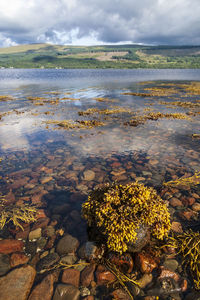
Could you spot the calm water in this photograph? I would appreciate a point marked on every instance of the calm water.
(61, 166)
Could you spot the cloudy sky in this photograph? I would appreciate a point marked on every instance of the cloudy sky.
(89, 22)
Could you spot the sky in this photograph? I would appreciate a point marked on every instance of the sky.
(97, 22)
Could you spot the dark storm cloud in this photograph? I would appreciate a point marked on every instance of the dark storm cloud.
(93, 21)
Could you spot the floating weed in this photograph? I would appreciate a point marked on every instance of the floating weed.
(196, 136)
(6, 98)
(188, 245)
(188, 181)
(119, 210)
(114, 110)
(181, 104)
(101, 99)
(16, 214)
(78, 124)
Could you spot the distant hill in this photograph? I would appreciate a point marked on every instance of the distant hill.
(120, 56)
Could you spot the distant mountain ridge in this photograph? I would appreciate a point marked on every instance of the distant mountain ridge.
(107, 56)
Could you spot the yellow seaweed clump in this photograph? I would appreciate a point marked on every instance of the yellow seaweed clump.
(119, 210)
(16, 214)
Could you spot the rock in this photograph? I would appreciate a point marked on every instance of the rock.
(49, 231)
(69, 259)
(145, 280)
(175, 202)
(89, 298)
(41, 223)
(17, 284)
(47, 261)
(196, 207)
(193, 296)
(124, 261)
(71, 276)
(81, 265)
(143, 238)
(43, 290)
(89, 251)
(18, 258)
(171, 264)
(165, 273)
(177, 227)
(84, 291)
(10, 245)
(88, 175)
(120, 294)
(46, 179)
(4, 264)
(35, 234)
(67, 244)
(87, 275)
(66, 292)
(61, 209)
(145, 262)
(104, 276)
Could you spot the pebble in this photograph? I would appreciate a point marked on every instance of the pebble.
(145, 262)
(175, 202)
(47, 261)
(171, 264)
(66, 292)
(17, 284)
(35, 234)
(196, 207)
(17, 259)
(10, 245)
(43, 290)
(69, 259)
(104, 276)
(88, 175)
(87, 275)
(145, 280)
(177, 227)
(67, 244)
(71, 276)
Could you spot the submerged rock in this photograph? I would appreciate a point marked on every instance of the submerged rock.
(17, 284)
(66, 292)
(43, 290)
(67, 244)
(47, 261)
(4, 264)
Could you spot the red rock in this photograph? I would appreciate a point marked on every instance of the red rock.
(89, 298)
(187, 215)
(71, 276)
(177, 227)
(196, 207)
(124, 261)
(191, 200)
(195, 196)
(18, 258)
(10, 197)
(184, 285)
(43, 290)
(9, 246)
(19, 183)
(37, 198)
(23, 234)
(145, 262)
(175, 202)
(165, 273)
(50, 242)
(17, 284)
(87, 275)
(104, 276)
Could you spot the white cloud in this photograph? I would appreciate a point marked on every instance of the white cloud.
(98, 21)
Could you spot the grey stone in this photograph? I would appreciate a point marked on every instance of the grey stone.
(67, 244)
(66, 292)
(69, 259)
(171, 264)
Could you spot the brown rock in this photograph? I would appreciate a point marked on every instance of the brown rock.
(191, 200)
(43, 290)
(87, 275)
(9, 246)
(175, 202)
(41, 223)
(119, 294)
(71, 276)
(165, 273)
(104, 276)
(177, 227)
(187, 215)
(89, 298)
(18, 258)
(23, 234)
(145, 262)
(145, 280)
(17, 284)
(66, 292)
(196, 207)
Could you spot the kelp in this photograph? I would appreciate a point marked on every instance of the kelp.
(188, 246)
(186, 181)
(78, 124)
(16, 214)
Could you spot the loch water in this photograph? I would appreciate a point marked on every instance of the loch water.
(54, 167)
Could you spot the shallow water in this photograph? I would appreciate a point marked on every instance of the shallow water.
(43, 159)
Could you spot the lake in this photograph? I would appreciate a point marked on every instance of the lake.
(65, 132)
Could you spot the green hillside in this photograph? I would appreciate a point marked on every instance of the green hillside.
(120, 56)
